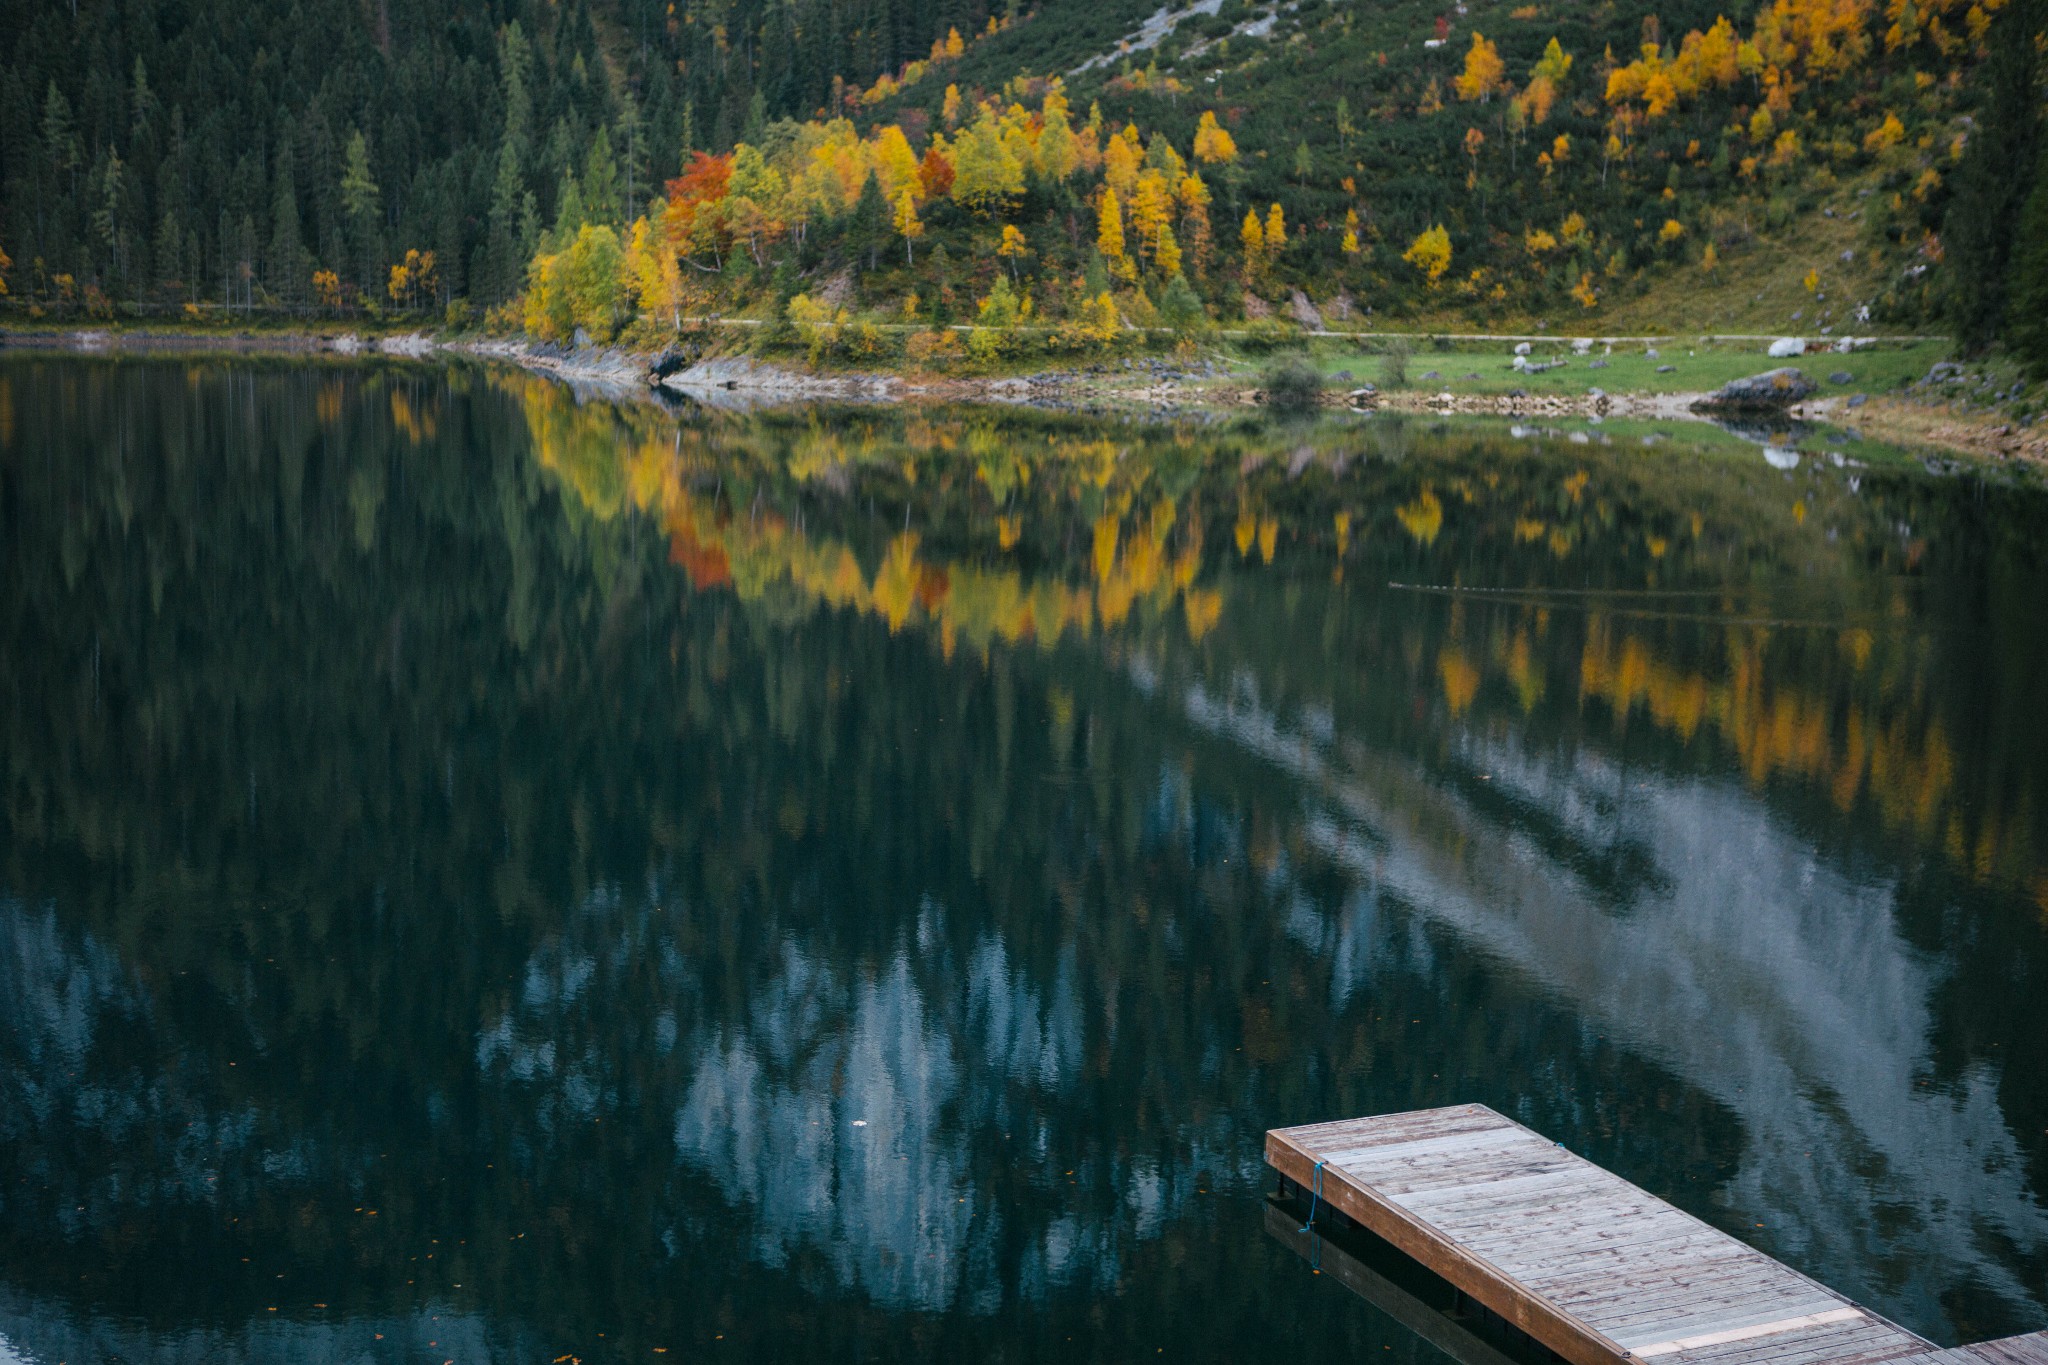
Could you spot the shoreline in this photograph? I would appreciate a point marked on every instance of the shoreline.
(742, 381)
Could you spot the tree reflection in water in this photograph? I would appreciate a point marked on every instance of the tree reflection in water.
(863, 881)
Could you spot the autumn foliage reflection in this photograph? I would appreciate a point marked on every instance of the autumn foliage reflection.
(1009, 532)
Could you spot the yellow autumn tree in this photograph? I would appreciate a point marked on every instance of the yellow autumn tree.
(1109, 227)
(1120, 167)
(1546, 81)
(908, 225)
(1193, 197)
(1484, 75)
(1166, 252)
(1151, 210)
(654, 276)
(987, 177)
(1430, 253)
(1276, 231)
(1213, 144)
(1013, 248)
(1251, 236)
(1886, 135)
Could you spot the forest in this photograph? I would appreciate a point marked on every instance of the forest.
(959, 183)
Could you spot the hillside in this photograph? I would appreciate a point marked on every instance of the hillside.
(166, 151)
(852, 173)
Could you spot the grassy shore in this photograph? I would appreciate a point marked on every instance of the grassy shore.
(1986, 413)
(1675, 367)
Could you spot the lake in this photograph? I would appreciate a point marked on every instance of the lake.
(493, 873)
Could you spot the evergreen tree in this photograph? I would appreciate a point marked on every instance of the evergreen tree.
(360, 200)
(109, 222)
(1996, 177)
(286, 272)
(867, 226)
(1180, 307)
(569, 211)
(167, 252)
(2027, 327)
(601, 181)
(506, 250)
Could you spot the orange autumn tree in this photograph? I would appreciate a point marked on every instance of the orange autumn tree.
(694, 219)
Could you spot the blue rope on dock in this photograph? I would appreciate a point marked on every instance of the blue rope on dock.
(1315, 1197)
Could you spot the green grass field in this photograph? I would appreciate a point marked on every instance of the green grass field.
(1629, 368)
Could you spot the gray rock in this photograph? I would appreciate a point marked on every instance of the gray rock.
(1841, 377)
(1432, 375)
(1666, 369)
(1596, 364)
(1857, 400)
(1771, 389)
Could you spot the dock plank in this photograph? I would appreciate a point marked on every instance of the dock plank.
(1591, 1266)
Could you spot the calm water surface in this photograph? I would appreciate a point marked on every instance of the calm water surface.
(490, 876)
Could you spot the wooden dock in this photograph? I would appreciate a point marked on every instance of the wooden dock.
(1587, 1264)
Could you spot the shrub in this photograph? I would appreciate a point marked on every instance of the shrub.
(1394, 365)
(1291, 382)
(1094, 326)
(862, 342)
(1180, 307)
(816, 323)
(937, 349)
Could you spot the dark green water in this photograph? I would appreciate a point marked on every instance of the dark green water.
(490, 876)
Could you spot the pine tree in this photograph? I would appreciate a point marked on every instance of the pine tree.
(287, 256)
(505, 255)
(167, 252)
(2027, 312)
(1180, 307)
(601, 181)
(570, 213)
(359, 201)
(867, 227)
(60, 136)
(108, 222)
(1996, 176)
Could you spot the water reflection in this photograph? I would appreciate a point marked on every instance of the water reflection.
(864, 881)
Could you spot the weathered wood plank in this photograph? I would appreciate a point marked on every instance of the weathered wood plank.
(1591, 1266)
(1555, 1327)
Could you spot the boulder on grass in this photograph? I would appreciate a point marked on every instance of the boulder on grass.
(1771, 389)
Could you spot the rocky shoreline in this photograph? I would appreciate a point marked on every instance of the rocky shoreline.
(1162, 386)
